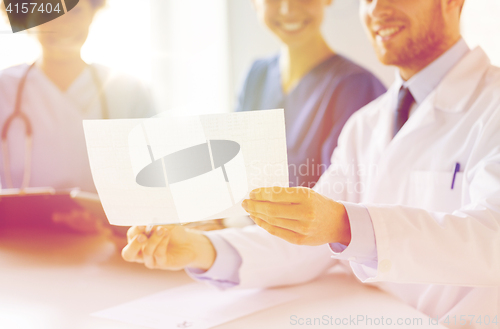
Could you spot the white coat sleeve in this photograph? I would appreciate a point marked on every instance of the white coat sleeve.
(269, 261)
(458, 248)
(224, 272)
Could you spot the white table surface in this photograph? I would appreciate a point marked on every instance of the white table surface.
(54, 281)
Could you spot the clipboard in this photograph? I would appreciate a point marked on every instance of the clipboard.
(35, 206)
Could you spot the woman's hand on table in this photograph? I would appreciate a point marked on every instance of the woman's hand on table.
(84, 222)
(81, 221)
(171, 247)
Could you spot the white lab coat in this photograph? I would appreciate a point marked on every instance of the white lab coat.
(59, 157)
(438, 248)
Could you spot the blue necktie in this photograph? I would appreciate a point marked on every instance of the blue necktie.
(405, 100)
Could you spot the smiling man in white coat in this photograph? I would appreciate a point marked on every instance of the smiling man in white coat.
(411, 201)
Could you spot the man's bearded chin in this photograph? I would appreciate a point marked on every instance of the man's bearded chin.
(421, 49)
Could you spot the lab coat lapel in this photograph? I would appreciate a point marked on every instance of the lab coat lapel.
(399, 157)
(455, 93)
(451, 95)
(423, 116)
(380, 139)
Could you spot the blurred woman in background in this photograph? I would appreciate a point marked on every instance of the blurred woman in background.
(318, 88)
(54, 95)
(58, 92)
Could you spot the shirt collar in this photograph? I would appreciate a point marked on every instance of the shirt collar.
(425, 81)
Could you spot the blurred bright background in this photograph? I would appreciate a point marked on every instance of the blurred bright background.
(195, 53)
(481, 25)
(120, 37)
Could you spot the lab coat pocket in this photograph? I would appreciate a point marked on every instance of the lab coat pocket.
(431, 190)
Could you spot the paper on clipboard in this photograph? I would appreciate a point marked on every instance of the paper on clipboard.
(36, 205)
(171, 170)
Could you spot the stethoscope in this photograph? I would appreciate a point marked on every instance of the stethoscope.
(18, 113)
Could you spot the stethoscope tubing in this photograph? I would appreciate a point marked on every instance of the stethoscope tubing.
(28, 137)
(18, 113)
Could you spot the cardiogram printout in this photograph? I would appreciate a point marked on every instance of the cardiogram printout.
(169, 170)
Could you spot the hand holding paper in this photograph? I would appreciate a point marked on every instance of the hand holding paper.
(299, 215)
(172, 170)
(172, 247)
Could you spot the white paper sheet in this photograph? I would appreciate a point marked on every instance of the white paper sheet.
(195, 306)
(169, 170)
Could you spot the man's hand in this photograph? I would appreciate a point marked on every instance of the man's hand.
(170, 247)
(299, 215)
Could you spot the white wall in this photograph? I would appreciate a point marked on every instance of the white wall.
(190, 56)
(342, 28)
(120, 37)
(481, 26)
